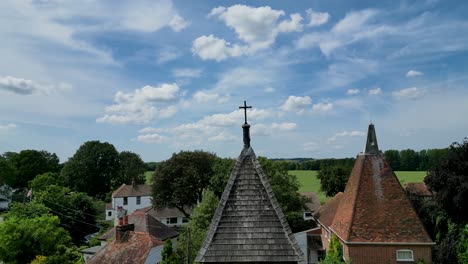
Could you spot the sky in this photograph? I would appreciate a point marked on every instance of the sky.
(157, 77)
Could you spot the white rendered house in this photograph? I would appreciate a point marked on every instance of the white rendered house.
(130, 198)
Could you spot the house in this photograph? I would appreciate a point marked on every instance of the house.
(130, 198)
(5, 197)
(373, 218)
(310, 243)
(138, 225)
(171, 217)
(418, 191)
(248, 225)
(312, 204)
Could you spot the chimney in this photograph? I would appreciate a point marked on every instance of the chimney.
(121, 232)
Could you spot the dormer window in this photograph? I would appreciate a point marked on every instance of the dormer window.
(404, 255)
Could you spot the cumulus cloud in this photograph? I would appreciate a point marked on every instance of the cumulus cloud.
(150, 130)
(256, 27)
(352, 91)
(177, 23)
(27, 87)
(269, 90)
(412, 93)
(296, 103)
(266, 130)
(317, 18)
(205, 96)
(322, 107)
(284, 126)
(213, 48)
(7, 127)
(375, 91)
(187, 73)
(151, 138)
(413, 73)
(310, 146)
(354, 133)
(222, 136)
(142, 105)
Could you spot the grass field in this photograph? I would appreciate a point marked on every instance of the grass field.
(148, 176)
(310, 183)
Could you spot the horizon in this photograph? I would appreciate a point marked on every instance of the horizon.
(158, 77)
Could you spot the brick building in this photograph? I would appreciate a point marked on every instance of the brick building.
(373, 218)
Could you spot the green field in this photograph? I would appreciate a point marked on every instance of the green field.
(148, 176)
(310, 183)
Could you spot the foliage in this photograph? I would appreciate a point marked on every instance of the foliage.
(393, 158)
(151, 166)
(222, 169)
(335, 253)
(29, 163)
(76, 210)
(132, 168)
(21, 239)
(198, 225)
(7, 172)
(92, 168)
(29, 210)
(180, 180)
(463, 246)
(42, 181)
(333, 179)
(450, 182)
(168, 254)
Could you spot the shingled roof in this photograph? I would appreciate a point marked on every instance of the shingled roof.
(248, 225)
(374, 206)
(132, 190)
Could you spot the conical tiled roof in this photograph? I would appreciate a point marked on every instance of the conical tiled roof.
(374, 207)
(248, 225)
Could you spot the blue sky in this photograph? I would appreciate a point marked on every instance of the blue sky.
(157, 77)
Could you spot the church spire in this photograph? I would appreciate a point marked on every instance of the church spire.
(246, 126)
(371, 145)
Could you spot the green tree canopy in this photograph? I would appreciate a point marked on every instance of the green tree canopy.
(22, 239)
(92, 168)
(333, 179)
(29, 163)
(132, 167)
(7, 172)
(393, 158)
(42, 181)
(180, 180)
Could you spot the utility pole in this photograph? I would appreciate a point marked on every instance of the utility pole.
(189, 258)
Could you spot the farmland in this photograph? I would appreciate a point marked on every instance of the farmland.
(310, 183)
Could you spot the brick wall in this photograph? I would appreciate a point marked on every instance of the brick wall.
(384, 254)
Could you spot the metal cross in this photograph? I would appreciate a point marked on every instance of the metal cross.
(245, 110)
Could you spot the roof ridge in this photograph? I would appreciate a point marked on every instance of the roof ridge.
(353, 212)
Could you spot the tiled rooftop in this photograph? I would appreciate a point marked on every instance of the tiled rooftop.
(132, 190)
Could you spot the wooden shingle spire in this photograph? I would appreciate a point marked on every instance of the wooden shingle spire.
(248, 225)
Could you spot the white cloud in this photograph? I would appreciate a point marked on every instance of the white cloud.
(413, 73)
(284, 126)
(293, 25)
(354, 133)
(296, 103)
(223, 136)
(256, 27)
(26, 87)
(352, 91)
(167, 55)
(7, 127)
(142, 105)
(205, 96)
(151, 138)
(213, 48)
(412, 93)
(375, 91)
(177, 23)
(150, 130)
(310, 146)
(322, 107)
(269, 90)
(266, 130)
(187, 73)
(317, 18)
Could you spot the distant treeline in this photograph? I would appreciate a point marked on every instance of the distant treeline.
(399, 160)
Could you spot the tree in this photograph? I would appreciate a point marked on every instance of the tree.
(7, 172)
(449, 181)
(180, 180)
(333, 179)
(42, 181)
(168, 254)
(393, 158)
(198, 225)
(409, 160)
(22, 239)
(76, 210)
(30, 163)
(92, 168)
(132, 168)
(222, 169)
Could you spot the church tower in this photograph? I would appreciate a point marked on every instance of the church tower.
(248, 225)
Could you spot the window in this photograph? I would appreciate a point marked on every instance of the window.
(125, 201)
(172, 220)
(404, 255)
(109, 213)
(138, 199)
